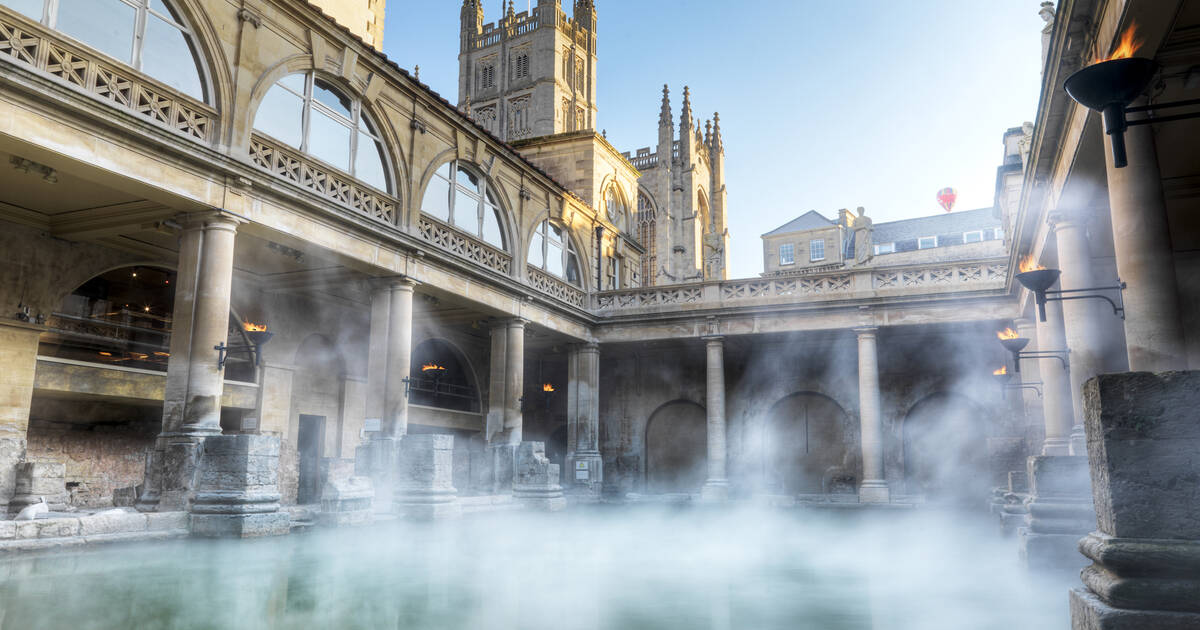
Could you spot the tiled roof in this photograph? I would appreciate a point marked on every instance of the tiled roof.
(807, 221)
(949, 223)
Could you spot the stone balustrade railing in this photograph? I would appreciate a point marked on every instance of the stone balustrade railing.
(451, 240)
(549, 285)
(825, 286)
(329, 183)
(643, 162)
(34, 46)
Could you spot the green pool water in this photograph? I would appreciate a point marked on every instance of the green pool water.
(604, 568)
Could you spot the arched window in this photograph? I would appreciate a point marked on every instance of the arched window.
(647, 232)
(461, 198)
(615, 207)
(314, 116)
(440, 378)
(148, 35)
(551, 250)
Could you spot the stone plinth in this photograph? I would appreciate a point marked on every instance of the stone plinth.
(1060, 512)
(536, 483)
(1143, 441)
(237, 492)
(346, 502)
(379, 461)
(500, 467)
(35, 480)
(425, 478)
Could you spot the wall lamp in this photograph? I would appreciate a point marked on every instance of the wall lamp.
(1002, 377)
(258, 336)
(1015, 344)
(1039, 281)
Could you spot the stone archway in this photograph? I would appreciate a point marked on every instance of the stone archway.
(804, 444)
(945, 449)
(676, 448)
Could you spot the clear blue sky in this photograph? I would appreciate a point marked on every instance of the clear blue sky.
(824, 105)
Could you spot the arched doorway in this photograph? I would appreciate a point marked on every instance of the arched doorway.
(676, 448)
(804, 442)
(441, 377)
(945, 450)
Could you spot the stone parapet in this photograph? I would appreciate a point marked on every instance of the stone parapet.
(424, 479)
(536, 482)
(237, 492)
(1142, 442)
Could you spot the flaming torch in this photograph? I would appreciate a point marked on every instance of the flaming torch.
(1014, 343)
(1037, 279)
(258, 336)
(547, 390)
(1001, 375)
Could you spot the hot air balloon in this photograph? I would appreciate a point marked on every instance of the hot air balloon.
(946, 198)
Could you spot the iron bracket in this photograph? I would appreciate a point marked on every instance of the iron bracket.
(224, 350)
(1118, 309)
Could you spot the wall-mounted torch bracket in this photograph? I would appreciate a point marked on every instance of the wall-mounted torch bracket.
(1118, 309)
(1036, 387)
(223, 352)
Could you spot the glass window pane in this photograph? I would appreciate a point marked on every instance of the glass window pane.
(573, 275)
(556, 234)
(331, 98)
(329, 140)
(554, 259)
(294, 82)
(466, 178)
(368, 163)
(466, 211)
(158, 5)
(106, 25)
(444, 170)
(437, 198)
(280, 116)
(28, 8)
(491, 227)
(167, 56)
(537, 257)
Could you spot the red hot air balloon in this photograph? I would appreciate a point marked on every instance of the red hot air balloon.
(946, 198)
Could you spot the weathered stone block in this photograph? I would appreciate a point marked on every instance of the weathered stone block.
(1004, 454)
(111, 522)
(1018, 481)
(56, 527)
(424, 477)
(1144, 437)
(536, 483)
(346, 502)
(1089, 612)
(38, 479)
(1059, 476)
(1060, 513)
(240, 525)
(8, 530)
(161, 521)
(236, 492)
(379, 460)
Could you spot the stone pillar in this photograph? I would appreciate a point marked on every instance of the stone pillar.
(1060, 511)
(536, 481)
(585, 470)
(716, 487)
(237, 492)
(874, 487)
(18, 356)
(399, 359)
(1081, 318)
(1031, 372)
(1057, 409)
(192, 397)
(1143, 441)
(424, 485)
(1145, 262)
(514, 379)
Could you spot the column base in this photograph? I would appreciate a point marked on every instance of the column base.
(378, 460)
(874, 491)
(715, 491)
(1056, 446)
(236, 494)
(424, 490)
(1088, 612)
(1078, 441)
(240, 525)
(1049, 552)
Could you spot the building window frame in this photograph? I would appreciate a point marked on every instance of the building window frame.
(977, 234)
(885, 248)
(486, 227)
(787, 254)
(924, 239)
(816, 250)
(551, 238)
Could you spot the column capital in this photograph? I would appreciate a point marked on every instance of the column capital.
(865, 331)
(714, 339)
(398, 282)
(215, 219)
(1059, 219)
(585, 346)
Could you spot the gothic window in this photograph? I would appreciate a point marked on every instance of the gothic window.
(551, 250)
(520, 64)
(487, 76)
(567, 119)
(518, 118)
(465, 200)
(566, 68)
(614, 273)
(647, 236)
(486, 116)
(580, 75)
(315, 117)
(580, 120)
(147, 34)
(615, 207)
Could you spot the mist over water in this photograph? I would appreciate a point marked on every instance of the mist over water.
(591, 569)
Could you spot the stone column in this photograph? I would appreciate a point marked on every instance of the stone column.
(584, 466)
(514, 379)
(505, 389)
(1081, 318)
(874, 487)
(1031, 372)
(1153, 332)
(1056, 387)
(377, 350)
(1142, 443)
(200, 321)
(399, 359)
(716, 487)
(18, 356)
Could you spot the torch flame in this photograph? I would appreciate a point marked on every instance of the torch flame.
(1000, 372)
(547, 387)
(1028, 264)
(1007, 333)
(252, 327)
(1128, 45)
(432, 367)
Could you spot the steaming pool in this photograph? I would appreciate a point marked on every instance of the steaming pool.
(589, 569)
